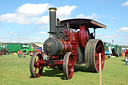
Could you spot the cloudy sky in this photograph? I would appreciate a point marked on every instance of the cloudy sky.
(28, 20)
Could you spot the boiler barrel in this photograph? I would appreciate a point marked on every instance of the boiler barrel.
(53, 46)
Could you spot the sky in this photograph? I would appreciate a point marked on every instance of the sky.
(28, 20)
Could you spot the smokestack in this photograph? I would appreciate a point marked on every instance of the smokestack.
(52, 19)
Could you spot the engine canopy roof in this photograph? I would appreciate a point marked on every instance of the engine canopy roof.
(76, 22)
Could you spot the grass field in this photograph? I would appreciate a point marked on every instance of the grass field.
(15, 71)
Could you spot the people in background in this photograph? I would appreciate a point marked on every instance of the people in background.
(39, 50)
(18, 54)
(24, 55)
(126, 56)
(45, 57)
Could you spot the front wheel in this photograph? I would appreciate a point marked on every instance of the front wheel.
(68, 65)
(35, 68)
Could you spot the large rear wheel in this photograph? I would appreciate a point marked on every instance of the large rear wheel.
(92, 50)
(68, 65)
(35, 68)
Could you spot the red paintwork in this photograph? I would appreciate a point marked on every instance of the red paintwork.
(66, 47)
(73, 38)
(83, 36)
(47, 62)
(71, 45)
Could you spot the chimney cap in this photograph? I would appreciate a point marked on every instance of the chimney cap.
(52, 9)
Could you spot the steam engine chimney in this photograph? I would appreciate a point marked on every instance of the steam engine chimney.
(52, 19)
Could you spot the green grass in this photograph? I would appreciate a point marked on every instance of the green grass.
(15, 71)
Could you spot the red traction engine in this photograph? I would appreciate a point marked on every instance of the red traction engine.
(69, 43)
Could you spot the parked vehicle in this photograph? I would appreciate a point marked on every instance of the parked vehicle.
(107, 48)
(25, 48)
(112, 50)
(5, 49)
(14, 47)
(116, 50)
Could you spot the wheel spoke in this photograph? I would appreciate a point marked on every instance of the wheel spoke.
(98, 47)
(71, 72)
(40, 69)
(35, 69)
(96, 56)
(69, 64)
(38, 75)
(97, 62)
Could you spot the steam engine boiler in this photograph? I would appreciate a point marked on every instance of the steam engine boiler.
(70, 43)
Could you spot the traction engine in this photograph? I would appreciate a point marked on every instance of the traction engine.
(70, 43)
